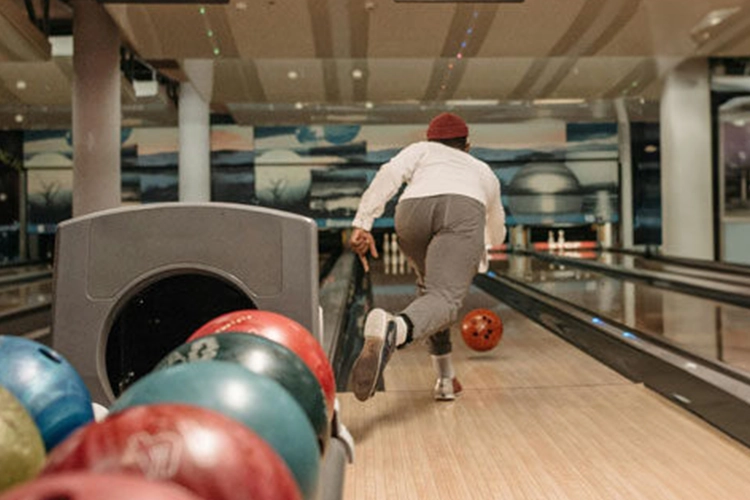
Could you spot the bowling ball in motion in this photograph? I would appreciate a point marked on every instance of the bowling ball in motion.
(259, 402)
(209, 454)
(264, 357)
(284, 331)
(46, 385)
(87, 486)
(481, 329)
(21, 446)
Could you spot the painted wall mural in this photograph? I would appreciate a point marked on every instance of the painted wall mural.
(11, 163)
(552, 172)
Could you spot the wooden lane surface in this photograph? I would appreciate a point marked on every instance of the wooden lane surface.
(538, 420)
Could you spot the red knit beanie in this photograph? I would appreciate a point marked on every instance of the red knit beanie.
(447, 126)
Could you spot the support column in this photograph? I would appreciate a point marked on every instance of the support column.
(195, 130)
(626, 174)
(686, 178)
(96, 109)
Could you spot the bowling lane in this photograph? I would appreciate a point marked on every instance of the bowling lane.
(707, 328)
(24, 296)
(640, 262)
(538, 419)
(24, 271)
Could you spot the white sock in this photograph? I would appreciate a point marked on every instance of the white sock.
(443, 365)
(402, 329)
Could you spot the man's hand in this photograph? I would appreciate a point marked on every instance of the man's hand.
(361, 242)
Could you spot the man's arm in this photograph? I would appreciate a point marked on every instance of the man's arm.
(495, 231)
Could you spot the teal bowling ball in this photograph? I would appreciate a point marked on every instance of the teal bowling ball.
(264, 357)
(259, 402)
(47, 386)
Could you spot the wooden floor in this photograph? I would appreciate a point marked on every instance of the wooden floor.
(539, 419)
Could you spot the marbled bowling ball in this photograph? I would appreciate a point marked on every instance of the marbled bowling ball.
(481, 329)
(46, 385)
(21, 446)
(264, 357)
(284, 331)
(94, 486)
(206, 452)
(260, 403)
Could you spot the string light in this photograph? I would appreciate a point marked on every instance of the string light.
(462, 47)
(213, 41)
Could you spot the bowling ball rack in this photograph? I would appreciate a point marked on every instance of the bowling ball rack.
(106, 262)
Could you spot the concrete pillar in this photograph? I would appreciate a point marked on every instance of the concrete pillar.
(195, 130)
(686, 171)
(96, 109)
(626, 174)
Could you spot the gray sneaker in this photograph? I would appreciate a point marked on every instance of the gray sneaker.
(380, 342)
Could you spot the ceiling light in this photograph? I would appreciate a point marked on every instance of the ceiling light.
(241, 5)
(21, 85)
(705, 28)
(552, 102)
(292, 75)
(19, 118)
(357, 74)
(298, 105)
(368, 105)
(145, 88)
(62, 46)
(472, 102)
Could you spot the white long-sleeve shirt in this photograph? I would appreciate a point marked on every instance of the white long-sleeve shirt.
(430, 169)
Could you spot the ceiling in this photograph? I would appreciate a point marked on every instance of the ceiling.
(380, 61)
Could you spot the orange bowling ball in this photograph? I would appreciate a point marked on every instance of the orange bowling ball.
(481, 329)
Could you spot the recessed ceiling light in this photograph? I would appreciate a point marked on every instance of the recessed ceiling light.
(19, 118)
(292, 75)
(356, 74)
(241, 5)
(369, 105)
(21, 84)
(298, 105)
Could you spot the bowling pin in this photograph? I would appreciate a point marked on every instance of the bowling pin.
(387, 253)
(550, 240)
(561, 239)
(394, 254)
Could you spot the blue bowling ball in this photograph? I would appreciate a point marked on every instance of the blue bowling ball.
(47, 386)
(259, 402)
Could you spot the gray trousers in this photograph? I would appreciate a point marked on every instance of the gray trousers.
(443, 238)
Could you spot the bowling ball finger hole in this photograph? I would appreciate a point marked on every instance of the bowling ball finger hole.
(55, 358)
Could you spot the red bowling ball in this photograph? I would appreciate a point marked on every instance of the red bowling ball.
(88, 486)
(211, 455)
(481, 329)
(284, 331)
